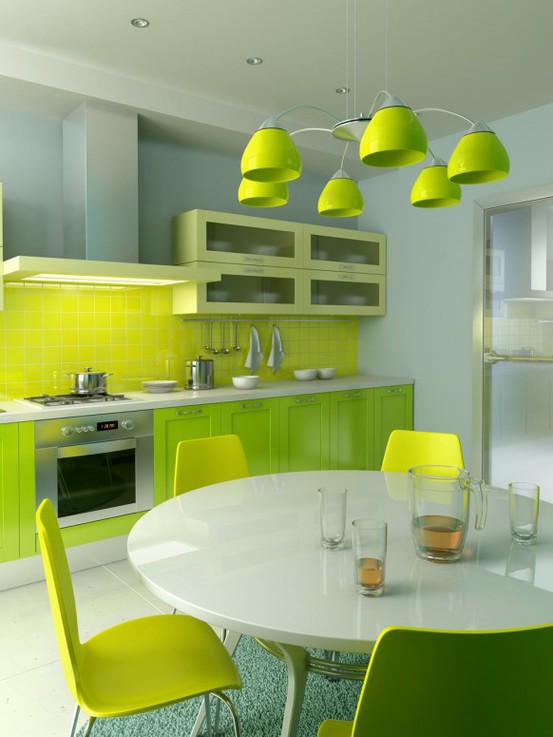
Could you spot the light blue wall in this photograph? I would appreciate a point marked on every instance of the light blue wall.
(427, 331)
(31, 176)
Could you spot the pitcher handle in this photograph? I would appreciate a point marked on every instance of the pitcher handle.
(480, 492)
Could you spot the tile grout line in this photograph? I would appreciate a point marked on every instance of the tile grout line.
(128, 586)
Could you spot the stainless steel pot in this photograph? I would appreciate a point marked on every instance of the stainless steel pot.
(88, 382)
(200, 373)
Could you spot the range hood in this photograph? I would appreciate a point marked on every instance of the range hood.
(77, 271)
(100, 209)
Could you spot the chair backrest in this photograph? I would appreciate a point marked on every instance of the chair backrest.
(205, 461)
(60, 592)
(408, 448)
(426, 683)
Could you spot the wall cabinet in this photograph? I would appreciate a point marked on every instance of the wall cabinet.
(9, 492)
(393, 410)
(279, 267)
(352, 429)
(338, 249)
(223, 238)
(256, 424)
(243, 289)
(170, 427)
(303, 432)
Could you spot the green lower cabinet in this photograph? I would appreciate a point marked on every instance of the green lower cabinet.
(303, 433)
(393, 410)
(256, 424)
(170, 427)
(9, 492)
(351, 430)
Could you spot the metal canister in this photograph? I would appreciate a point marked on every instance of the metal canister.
(200, 373)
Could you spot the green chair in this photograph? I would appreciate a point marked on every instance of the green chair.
(135, 666)
(429, 683)
(408, 448)
(206, 461)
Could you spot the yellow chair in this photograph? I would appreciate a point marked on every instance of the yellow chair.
(206, 461)
(136, 666)
(408, 448)
(429, 683)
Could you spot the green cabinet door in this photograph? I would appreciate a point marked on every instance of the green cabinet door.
(304, 432)
(393, 410)
(9, 492)
(256, 424)
(351, 429)
(170, 427)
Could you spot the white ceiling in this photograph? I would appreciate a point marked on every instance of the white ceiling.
(187, 74)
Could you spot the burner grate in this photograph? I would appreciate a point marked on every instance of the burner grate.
(58, 400)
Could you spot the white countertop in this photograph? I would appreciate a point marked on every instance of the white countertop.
(17, 411)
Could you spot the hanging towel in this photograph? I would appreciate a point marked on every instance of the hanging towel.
(277, 351)
(255, 355)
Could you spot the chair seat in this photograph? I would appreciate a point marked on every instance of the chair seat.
(335, 728)
(152, 662)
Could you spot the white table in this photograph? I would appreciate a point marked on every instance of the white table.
(245, 555)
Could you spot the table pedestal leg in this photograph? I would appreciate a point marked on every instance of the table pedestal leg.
(295, 658)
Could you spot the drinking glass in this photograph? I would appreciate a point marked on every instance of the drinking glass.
(370, 538)
(332, 517)
(524, 500)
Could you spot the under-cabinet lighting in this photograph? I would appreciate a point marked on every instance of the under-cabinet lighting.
(114, 280)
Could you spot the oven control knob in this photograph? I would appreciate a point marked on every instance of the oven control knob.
(127, 424)
(67, 430)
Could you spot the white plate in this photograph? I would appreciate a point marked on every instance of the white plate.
(159, 387)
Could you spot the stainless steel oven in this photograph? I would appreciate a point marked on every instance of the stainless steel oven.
(94, 467)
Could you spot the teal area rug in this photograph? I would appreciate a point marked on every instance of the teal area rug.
(260, 703)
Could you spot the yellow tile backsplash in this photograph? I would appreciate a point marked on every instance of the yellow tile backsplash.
(47, 331)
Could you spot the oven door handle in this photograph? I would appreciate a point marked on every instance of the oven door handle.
(92, 449)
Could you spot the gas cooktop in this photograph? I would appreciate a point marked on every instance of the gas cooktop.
(59, 400)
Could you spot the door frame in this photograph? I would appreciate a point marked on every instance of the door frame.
(482, 208)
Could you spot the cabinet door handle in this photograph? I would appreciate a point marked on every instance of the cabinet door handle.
(351, 277)
(256, 259)
(347, 267)
(353, 395)
(303, 400)
(395, 391)
(251, 405)
(181, 412)
(253, 270)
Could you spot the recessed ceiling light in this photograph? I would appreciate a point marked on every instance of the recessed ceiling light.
(342, 90)
(140, 22)
(255, 61)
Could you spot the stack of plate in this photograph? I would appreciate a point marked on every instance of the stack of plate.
(159, 387)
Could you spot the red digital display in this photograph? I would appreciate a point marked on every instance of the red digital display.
(107, 425)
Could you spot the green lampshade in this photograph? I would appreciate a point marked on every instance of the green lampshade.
(432, 187)
(271, 155)
(341, 197)
(479, 157)
(262, 194)
(394, 137)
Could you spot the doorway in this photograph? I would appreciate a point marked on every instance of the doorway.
(516, 356)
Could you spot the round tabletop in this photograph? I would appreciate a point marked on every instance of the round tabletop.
(245, 555)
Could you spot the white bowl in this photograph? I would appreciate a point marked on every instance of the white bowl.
(245, 382)
(159, 387)
(326, 373)
(305, 374)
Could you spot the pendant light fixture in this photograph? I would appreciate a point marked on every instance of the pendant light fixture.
(391, 135)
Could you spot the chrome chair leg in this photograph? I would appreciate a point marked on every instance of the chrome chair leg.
(232, 710)
(207, 715)
(75, 720)
(89, 726)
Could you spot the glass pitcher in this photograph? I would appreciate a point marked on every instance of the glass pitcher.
(439, 499)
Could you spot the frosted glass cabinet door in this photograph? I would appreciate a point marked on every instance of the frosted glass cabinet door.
(338, 249)
(220, 237)
(336, 293)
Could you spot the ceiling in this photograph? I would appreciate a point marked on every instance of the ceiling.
(186, 74)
